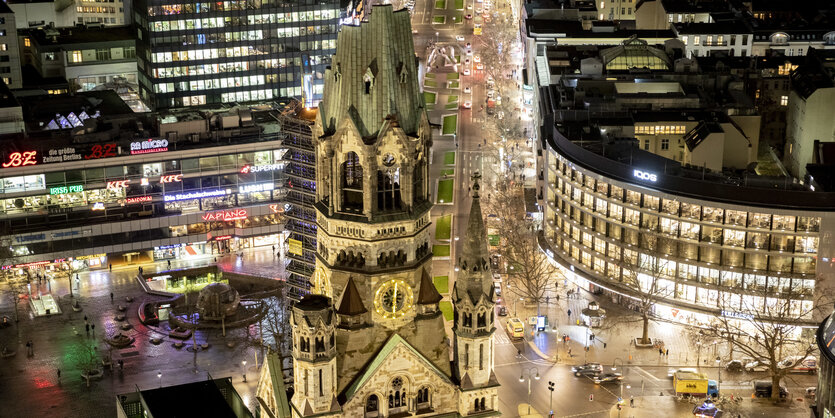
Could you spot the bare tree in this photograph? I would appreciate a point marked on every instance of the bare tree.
(15, 287)
(71, 270)
(88, 360)
(529, 273)
(765, 326)
(643, 273)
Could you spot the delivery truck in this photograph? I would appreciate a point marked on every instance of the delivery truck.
(692, 383)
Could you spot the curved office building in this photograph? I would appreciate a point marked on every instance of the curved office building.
(717, 247)
(825, 395)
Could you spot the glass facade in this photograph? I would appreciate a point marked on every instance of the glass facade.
(234, 51)
(708, 251)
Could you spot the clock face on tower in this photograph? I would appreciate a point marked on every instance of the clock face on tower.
(393, 299)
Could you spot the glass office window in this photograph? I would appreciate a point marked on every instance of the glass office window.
(633, 197)
(808, 224)
(758, 240)
(617, 193)
(736, 217)
(691, 211)
(651, 202)
(760, 220)
(712, 234)
(806, 245)
(690, 230)
(784, 223)
(734, 238)
(633, 217)
(670, 207)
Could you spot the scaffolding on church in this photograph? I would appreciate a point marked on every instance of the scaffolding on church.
(296, 122)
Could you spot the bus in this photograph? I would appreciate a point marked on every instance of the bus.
(515, 328)
(477, 22)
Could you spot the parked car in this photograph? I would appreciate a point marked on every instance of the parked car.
(735, 366)
(798, 364)
(498, 287)
(502, 310)
(467, 105)
(459, 38)
(467, 90)
(762, 389)
(755, 366)
(672, 372)
(608, 377)
(588, 369)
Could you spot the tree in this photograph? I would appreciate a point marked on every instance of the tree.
(643, 274)
(765, 326)
(88, 360)
(530, 274)
(14, 288)
(71, 269)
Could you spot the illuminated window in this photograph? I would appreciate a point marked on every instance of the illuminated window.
(784, 100)
(27, 42)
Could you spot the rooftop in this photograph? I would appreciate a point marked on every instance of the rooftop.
(577, 138)
(718, 28)
(574, 29)
(80, 35)
(173, 401)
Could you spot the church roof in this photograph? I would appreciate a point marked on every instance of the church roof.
(351, 302)
(279, 392)
(380, 358)
(381, 50)
(428, 294)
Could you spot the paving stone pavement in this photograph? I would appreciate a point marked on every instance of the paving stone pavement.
(30, 387)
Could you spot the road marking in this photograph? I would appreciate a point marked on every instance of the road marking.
(646, 373)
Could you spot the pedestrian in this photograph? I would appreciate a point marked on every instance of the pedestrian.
(87, 328)
(667, 353)
(111, 267)
(660, 352)
(93, 327)
(169, 263)
(31, 348)
(558, 297)
(111, 297)
(547, 299)
(121, 364)
(85, 319)
(59, 374)
(569, 313)
(569, 351)
(632, 401)
(518, 353)
(27, 348)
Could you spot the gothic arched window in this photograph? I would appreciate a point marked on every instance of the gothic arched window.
(352, 199)
(388, 189)
(372, 404)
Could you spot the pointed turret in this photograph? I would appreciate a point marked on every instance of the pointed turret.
(474, 276)
(351, 310)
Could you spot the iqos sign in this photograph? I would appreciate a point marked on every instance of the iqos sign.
(643, 175)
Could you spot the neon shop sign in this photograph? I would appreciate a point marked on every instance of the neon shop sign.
(225, 215)
(19, 159)
(117, 184)
(643, 175)
(149, 146)
(173, 178)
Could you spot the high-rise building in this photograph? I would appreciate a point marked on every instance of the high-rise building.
(371, 341)
(225, 52)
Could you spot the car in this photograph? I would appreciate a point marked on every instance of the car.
(490, 94)
(469, 105)
(478, 10)
(468, 90)
(502, 310)
(469, 51)
(479, 66)
(498, 287)
(467, 62)
(735, 366)
(468, 16)
(588, 369)
(459, 38)
(466, 71)
(414, 30)
(477, 58)
(756, 366)
(469, 45)
(799, 364)
(762, 389)
(607, 377)
(469, 7)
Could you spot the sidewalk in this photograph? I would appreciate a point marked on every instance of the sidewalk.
(618, 340)
(668, 406)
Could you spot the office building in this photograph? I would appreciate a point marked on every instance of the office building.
(193, 54)
(61, 14)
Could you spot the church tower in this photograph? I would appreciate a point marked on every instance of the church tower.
(474, 301)
(313, 325)
(372, 138)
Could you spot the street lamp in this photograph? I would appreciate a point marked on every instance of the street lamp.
(514, 306)
(243, 366)
(528, 373)
(698, 353)
(159, 376)
(551, 401)
(719, 380)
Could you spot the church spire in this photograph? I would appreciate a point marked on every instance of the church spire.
(473, 261)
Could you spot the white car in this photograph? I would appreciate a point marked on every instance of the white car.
(756, 366)
(468, 90)
(466, 71)
(467, 62)
(459, 38)
(467, 105)
(477, 58)
(478, 10)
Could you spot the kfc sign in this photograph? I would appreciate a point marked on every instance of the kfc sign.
(171, 178)
(117, 184)
(225, 215)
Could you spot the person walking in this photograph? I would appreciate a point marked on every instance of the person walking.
(667, 353)
(111, 297)
(93, 327)
(59, 374)
(27, 348)
(110, 266)
(632, 401)
(85, 319)
(87, 329)
(569, 314)
(169, 263)
(31, 348)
